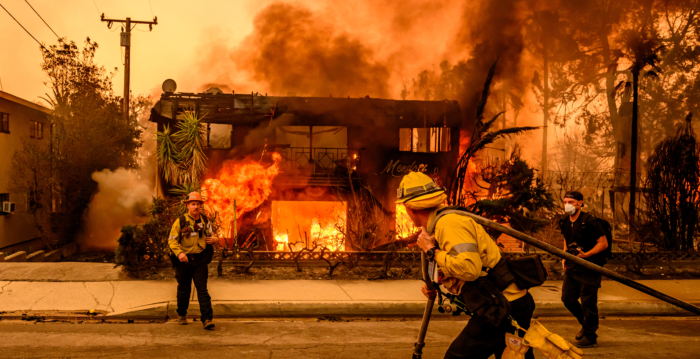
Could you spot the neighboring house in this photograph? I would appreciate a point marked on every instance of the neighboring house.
(20, 121)
(324, 142)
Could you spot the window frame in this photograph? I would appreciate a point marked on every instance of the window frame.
(37, 130)
(4, 122)
(437, 139)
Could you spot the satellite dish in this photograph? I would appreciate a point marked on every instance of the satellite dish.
(169, 85)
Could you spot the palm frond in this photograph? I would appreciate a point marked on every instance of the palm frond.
(487, 126)
(490, 137)
(167, 155)
(485, 94)
(190, 141)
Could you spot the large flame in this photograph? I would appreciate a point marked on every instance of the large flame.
(404, 224)
(309, 224)
(248, 182)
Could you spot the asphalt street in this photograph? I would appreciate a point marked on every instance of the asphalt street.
(636, 338)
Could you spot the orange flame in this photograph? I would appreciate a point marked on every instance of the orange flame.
(248, 182)
(404, 224)
(301, 224)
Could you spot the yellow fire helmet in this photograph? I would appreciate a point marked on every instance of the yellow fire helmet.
(417, 186)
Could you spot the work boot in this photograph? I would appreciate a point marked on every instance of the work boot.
(579, 335)
(182, 320)
(208, 324)
(587, 342)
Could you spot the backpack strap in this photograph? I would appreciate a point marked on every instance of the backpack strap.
(181, 220)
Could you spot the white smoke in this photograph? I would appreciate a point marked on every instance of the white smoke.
(123, 198)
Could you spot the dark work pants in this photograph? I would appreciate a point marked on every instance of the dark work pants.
(479, 340)
(582, 285)
(185, 273)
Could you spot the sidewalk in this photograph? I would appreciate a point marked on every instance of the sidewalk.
(73, 292)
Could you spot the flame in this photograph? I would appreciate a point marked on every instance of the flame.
(328, 236)
(303, 224)
(404, 224)
(248, 182)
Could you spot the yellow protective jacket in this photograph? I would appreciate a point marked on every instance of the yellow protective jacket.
(465, 248)
(191, 243)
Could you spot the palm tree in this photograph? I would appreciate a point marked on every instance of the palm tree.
(481, 137)
(642, 49)
(181, 157)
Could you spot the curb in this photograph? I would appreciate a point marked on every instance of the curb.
(292, 309)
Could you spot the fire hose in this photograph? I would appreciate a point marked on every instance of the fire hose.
(418, 346)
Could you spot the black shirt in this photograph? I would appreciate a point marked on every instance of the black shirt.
(584, 232)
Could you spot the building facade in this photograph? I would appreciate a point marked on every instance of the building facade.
(333, 150)
(20, 121)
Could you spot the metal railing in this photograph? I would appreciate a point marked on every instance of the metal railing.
(379, 258)
(317, 160)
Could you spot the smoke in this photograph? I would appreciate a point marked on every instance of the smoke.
(408, 49)
(323, 60)
(123, 198)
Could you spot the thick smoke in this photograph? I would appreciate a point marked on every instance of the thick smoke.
(409, 49)
(123, 198)
(296, 52)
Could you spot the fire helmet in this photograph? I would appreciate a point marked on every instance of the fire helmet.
(194, 196)
(417, 186)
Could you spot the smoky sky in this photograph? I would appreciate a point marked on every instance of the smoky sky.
(297, 52)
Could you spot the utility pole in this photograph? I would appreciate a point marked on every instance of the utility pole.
(126, 43)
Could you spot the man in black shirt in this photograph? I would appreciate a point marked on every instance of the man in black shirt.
(584, 238)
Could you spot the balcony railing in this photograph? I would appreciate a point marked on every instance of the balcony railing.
(317, 160)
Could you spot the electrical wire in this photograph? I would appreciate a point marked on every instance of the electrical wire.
(23, 28)
(42, 19)
(151, 6)
(134, 28)
(96, 8)
(30, 34)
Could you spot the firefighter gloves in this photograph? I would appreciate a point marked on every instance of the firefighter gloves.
(515, 347)
(551, 345)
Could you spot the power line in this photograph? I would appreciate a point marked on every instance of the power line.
(96, 8)
(42, 19)
(151, 6)
(23, 28)
(30, 34)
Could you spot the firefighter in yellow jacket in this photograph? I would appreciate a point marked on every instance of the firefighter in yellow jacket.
(463, 252)
(191, 241)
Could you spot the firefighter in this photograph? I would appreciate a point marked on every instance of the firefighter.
(191, 242)
(464, 252)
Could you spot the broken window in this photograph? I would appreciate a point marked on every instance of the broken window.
(4, 122)
(219, 135)
(36, 130)
(429, 139)
(313, 148)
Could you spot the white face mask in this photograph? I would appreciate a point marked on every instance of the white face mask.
(569, 209)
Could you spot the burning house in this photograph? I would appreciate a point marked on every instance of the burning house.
(295, 172)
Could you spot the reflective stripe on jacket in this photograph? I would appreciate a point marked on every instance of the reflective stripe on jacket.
(191, 243)
(465, 249)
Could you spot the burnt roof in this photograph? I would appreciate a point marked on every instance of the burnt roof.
(253, 108)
